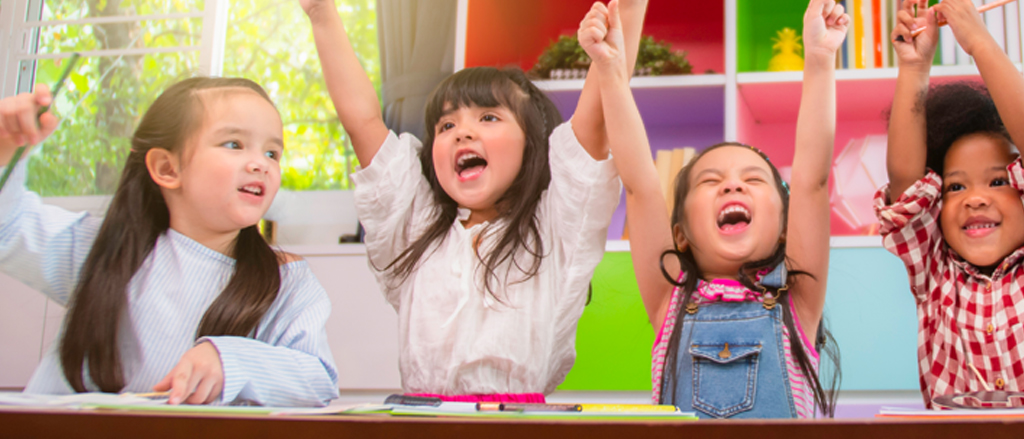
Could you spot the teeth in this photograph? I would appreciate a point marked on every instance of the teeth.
(466, 157)
(731, 209)
(981, 226)
(256, 190)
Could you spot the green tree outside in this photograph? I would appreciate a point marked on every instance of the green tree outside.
(267, 41)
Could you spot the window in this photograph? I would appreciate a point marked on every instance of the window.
(134, 49)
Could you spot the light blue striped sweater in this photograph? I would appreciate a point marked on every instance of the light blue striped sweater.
(289, 362)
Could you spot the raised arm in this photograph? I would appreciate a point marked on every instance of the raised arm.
(650, 233)
(353, 94)
(1004, 81)
(588, 120)
(40, 245)
(808, 229)
(907, 149)
(19, 123)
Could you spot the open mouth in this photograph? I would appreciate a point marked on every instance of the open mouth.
(733, 217)
(980, 227)
(469, 164)
(253, 189)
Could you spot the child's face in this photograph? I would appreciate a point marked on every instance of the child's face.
(982, 216)
(231, 170)
(732, 213)
(477, 153)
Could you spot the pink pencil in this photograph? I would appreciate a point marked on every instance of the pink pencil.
(982, 8)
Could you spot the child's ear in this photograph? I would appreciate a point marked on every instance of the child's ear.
(679, 236)
(163, 168)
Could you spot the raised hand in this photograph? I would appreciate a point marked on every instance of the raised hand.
(20, 123)
(915, 51)
(316, 8)
(600, 34)
(824, 28)
(966, 22)
(198, 378)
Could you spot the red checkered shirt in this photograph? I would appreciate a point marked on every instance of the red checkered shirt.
(958, 307)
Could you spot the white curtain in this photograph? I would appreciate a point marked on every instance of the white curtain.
(417, 51)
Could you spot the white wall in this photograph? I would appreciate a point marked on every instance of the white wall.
(362, 329)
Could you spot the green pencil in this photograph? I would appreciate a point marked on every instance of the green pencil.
(21, 149)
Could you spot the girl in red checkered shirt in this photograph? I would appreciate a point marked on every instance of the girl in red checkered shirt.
(953, 211)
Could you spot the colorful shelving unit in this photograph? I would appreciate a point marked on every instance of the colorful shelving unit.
(738, 101)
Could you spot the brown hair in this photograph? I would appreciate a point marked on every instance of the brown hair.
(538, 117)
(137, 216)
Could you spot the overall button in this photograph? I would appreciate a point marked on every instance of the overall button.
(1000, 383)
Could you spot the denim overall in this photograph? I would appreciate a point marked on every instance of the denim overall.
(746, 378)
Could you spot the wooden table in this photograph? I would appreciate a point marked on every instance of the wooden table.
(64, 424)
(112, 424)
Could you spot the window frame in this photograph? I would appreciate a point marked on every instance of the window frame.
(19, 44)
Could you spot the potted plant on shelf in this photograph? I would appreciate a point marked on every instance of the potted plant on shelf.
(565, 59)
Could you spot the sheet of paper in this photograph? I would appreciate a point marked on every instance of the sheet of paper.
(75, 400)
(903, 411)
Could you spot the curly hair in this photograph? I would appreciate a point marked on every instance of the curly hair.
(955, 110)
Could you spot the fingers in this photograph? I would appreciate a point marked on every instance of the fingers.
(17, 119)
(198, 378)
(904, 27)
(836, 15)
(922, 6)
(594, 26)
(165, 383)
(42, 95)
(47, 124)
(206, 392)
(181, 383)
(827, 7)
(816, 8)
(614, 20)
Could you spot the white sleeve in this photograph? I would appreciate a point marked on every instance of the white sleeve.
(290, 362)
(393, 200)
(581, 200)
(43, 246)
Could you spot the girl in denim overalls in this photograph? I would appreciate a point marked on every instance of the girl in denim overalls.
(732, 324)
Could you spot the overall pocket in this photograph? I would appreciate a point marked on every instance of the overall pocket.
(724, 377)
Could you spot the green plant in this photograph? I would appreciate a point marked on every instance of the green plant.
(653, 58)
(565, 53)
(661, 59)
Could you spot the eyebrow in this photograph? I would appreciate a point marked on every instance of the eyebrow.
(227, 131)
(963, 173)
(719, 172)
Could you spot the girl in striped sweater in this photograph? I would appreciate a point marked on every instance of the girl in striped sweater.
(174, 290)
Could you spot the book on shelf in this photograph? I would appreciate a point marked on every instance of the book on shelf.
(996, 25)
(668, 163)
(891, 10)
(877, 23)
(858, 33)
(868, 34)
(948, 46)
(1011, 13)
(868, 43)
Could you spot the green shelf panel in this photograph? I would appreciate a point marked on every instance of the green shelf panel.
(614, 337)
(757, 22)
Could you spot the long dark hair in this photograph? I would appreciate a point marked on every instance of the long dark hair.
(137, 216)
(825, 391)
(538, 117)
